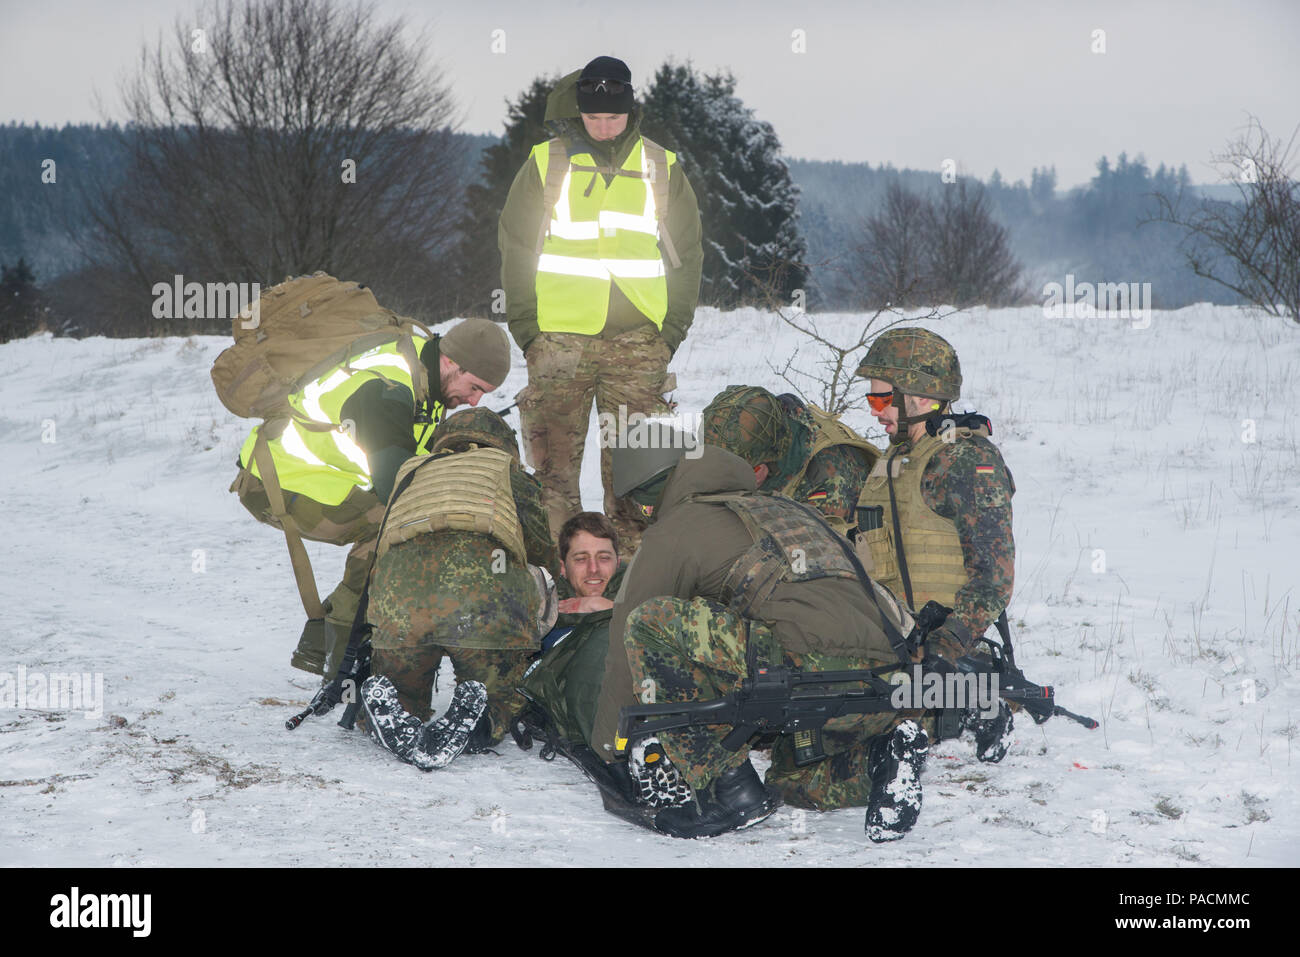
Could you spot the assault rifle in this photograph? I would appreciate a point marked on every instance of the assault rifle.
(347, 683)
(787, 701)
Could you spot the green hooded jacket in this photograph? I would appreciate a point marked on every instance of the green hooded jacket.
(521, 220)
(688, 552)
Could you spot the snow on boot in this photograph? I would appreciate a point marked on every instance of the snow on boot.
(659, 784)
(992, 735)
(390, 724)
(733, 800)
(446, 738)
(894, 765)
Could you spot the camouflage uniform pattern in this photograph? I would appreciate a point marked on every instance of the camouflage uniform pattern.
(694, 650)
(979, 505)
(834, 477)
(760, 427)
(463, 595)
(566, 371)
(915, 362)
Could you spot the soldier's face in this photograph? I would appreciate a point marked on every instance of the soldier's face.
(604, 126)
(460, 388)
(887, 417)
(590, 564)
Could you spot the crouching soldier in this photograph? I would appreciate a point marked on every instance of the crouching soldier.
(728, 582)
(459, 573)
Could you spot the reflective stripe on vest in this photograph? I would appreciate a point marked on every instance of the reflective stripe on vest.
(931, 545)
(327, 464)
(600, 234)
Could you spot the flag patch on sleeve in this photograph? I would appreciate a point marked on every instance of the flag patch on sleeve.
(983, 470)
(816, 496)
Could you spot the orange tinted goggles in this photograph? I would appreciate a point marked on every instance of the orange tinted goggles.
(879, 401)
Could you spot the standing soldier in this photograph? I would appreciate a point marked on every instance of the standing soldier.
(934, 518)
(600, 261)
(457, 573)
(795, 449)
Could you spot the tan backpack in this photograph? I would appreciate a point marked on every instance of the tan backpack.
(304, 327)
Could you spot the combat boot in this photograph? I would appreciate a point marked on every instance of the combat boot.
(466, 720)
(894, 764)
(659, 784)
(390, 724)
(733, 800)
(993, 736)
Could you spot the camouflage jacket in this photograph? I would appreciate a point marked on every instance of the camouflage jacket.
(455, 590)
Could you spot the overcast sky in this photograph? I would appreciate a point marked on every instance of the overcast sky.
(1007, 85)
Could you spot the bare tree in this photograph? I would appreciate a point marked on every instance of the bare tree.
(270, 138)
(1251, 245)
(890, 264)
(969, 259)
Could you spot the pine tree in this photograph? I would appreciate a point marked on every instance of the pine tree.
(753, 250)
(477, 258)
(20, 301)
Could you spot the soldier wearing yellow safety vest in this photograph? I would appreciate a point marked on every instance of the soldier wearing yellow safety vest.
(600, 261)
(336, 458)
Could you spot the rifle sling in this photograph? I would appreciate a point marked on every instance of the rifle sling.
(898, 531)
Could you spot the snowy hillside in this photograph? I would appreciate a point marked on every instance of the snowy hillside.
(1158, 537)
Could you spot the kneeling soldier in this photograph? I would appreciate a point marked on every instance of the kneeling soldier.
(458, 572)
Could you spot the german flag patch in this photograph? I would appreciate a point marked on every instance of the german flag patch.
(984, 470)
(817, 496)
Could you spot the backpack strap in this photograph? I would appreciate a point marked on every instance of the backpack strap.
(302, 572)
(557, 167)
(656, 159)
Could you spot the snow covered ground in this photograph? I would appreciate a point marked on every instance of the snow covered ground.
(1157, 532)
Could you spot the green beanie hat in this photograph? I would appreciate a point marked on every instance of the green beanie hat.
(479, 347)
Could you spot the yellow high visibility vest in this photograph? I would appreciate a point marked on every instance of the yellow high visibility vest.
(326, 464)
(600, 234)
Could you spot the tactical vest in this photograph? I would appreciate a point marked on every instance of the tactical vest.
(931, 545)
(829, 432)
(596, 234)
(787, 548)
(462, 491)
(314, 455)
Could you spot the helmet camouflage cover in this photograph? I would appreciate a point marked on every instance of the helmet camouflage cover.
(915, 361)
(477, 426)
(747, 421)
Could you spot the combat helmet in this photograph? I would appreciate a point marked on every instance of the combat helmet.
(641, 464)
(747, 421)
(478, 427)
(915, 362)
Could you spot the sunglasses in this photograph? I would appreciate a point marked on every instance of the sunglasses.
(612, 87)
(879, 401)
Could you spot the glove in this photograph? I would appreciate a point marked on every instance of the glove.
(945, 645)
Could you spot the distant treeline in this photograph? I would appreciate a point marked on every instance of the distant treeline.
(1093, 232)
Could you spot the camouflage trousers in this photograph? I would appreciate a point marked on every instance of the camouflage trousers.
(566, 371)
(353, 521)
(695, 650)
(414, 669)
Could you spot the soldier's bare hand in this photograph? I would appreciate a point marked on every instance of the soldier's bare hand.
(580, 606)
